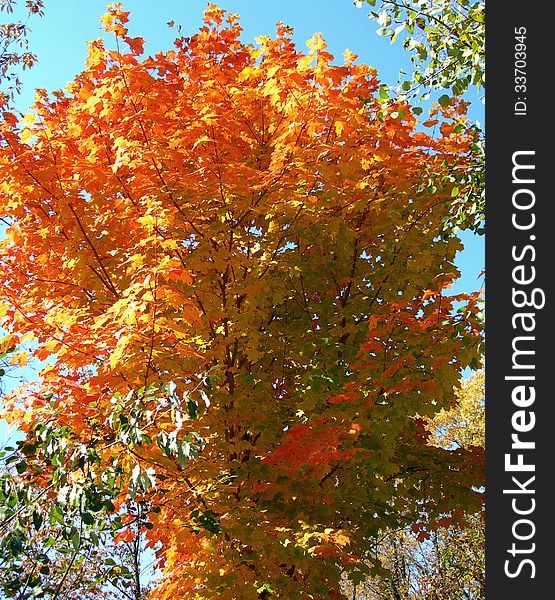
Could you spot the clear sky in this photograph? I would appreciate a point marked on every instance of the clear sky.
(59, 40)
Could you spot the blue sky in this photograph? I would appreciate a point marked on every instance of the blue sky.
(59, 40)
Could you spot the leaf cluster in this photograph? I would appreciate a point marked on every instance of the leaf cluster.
(446, 40)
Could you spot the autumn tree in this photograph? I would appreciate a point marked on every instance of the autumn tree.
(234, 259)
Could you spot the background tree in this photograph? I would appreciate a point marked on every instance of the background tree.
(64, 546)
(232, 256)
(446, 40)
(451, 562)
(14, 47)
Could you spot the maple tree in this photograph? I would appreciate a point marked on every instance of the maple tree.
(233, 260)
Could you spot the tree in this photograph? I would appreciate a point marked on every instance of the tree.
(446, 40)
(450, 563)
(14, 47)
(447, 45)
(58, 547)
(234, 259)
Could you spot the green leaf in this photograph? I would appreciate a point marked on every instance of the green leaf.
(192, 408)
(16, 545)
(88, 519)
(56, 514)
(444, 100)
(385, 31)
(28, 449)
(384, 91)
(37, 520)
(76, 540)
